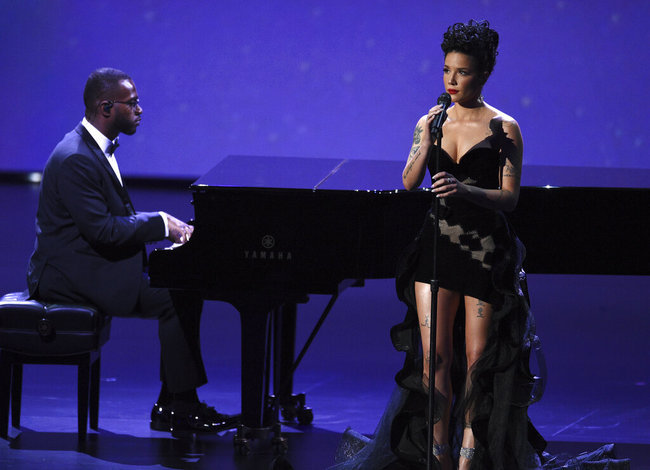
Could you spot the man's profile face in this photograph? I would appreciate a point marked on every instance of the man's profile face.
(126, 108)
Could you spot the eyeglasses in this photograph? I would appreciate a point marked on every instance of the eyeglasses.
(134, 103)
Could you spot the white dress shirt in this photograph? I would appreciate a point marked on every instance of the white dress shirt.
(104, 142)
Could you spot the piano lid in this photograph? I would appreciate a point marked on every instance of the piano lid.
(240, 171)
(585, 177)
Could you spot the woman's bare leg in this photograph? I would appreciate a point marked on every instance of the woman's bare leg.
(448, 302)
(477, 321)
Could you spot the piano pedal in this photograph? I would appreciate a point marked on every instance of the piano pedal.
(295, 409)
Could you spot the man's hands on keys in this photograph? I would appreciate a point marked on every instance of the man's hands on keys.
(179, 231)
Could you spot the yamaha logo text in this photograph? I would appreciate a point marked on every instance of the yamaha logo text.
(267, 252)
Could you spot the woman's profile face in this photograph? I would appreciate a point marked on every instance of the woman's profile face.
(462, 79)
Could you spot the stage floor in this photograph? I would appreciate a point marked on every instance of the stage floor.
(48, 436)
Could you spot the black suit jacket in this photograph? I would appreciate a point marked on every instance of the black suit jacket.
(89, 240)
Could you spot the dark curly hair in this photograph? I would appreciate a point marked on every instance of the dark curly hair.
(475, 39)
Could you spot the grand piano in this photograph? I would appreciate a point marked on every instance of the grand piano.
(269, 231)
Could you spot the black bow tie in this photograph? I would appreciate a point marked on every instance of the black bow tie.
(112, 147)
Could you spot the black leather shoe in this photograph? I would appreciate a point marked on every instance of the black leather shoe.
(190, 417)
(161, 417)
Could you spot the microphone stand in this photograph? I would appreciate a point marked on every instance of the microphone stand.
(434, 307)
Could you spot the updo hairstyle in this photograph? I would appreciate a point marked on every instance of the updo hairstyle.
(475, 39)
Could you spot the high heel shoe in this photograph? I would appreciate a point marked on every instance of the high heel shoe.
(440, 449)
(442, 454)
(467, 452)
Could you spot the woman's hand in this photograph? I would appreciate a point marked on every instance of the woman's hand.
(431, 115)
(445, 184)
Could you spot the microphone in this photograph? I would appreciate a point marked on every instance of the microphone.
(439, 119)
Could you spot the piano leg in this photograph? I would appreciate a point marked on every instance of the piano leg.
(284, 339)
(258, 417)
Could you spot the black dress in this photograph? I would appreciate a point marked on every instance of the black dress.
(466, 247)
(480, 256)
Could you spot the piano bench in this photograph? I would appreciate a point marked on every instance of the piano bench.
(33, 332)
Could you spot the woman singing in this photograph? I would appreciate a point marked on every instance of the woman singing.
(478, 179)
(484, 328)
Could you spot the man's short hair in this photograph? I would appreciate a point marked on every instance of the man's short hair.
(100, 85)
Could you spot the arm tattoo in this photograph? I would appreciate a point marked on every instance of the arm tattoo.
(413, 157)
(510, 171)
(426, 322)
(416, 135)
(415, 150)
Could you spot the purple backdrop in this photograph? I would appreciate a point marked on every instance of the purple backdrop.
(334, 79)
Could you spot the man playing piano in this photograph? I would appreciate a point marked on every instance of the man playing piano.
(90, 248)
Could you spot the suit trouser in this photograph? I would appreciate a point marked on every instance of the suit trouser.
(179, 318)
(178, 315)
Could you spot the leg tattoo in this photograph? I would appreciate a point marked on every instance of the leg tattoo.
(480, 310)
